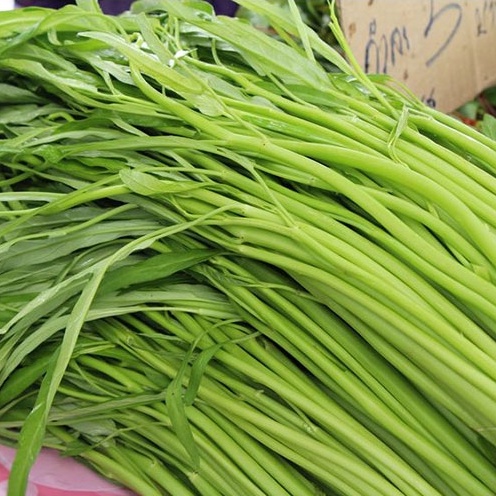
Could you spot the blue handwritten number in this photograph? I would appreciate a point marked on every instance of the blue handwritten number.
(378, 51)
(399, 43)
(485, 17)
(481, 29)
(431, 99)
(436, 16)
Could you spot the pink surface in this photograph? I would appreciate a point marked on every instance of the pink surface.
(53, 475)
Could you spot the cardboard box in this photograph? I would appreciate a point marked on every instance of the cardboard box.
(444, 51)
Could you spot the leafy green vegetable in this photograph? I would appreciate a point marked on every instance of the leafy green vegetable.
(226, 269)
(489, 126)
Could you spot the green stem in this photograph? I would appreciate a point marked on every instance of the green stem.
(111, 467)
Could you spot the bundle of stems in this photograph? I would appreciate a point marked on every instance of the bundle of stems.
(194, 212)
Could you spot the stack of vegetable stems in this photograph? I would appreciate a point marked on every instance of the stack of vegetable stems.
(228, 270)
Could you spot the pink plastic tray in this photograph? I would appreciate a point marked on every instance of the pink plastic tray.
(53, 475)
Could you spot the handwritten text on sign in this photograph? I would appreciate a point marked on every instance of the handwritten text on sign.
(444, 51)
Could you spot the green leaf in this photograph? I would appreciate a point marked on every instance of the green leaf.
(197, 371)
(17, 114)
(102, 428)
(89, 5)
(149, 65)
(278, 16)
(10, 94)
(34, 427)
(267, 55)
(62, 244)
(176, 409)
(149, 185)
(153, 268)
(488, 126)
(23, 377)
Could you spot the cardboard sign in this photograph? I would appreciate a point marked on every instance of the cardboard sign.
(444, 51)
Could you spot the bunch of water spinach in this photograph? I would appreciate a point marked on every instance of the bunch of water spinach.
(227, 269)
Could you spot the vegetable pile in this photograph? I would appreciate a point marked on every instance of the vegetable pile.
(228, 270)
(480, 112)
